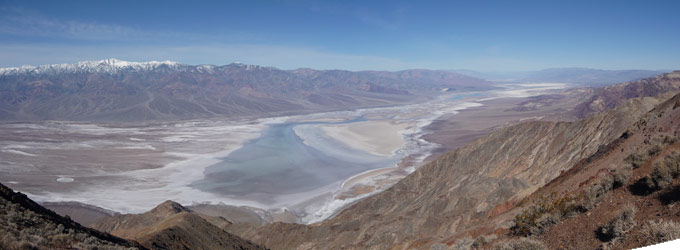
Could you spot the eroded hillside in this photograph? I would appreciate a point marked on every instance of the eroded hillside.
(621, 198)
(464, 191)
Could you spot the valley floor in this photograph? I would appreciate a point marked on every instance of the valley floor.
(132, 168)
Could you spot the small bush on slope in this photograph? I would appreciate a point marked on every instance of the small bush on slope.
(544, 213)
(520, 244)
(638, 160)
(548, 211)
(621, 176)
(479, 242)
(623, 222)
(462, 244)
(658, 232)
(672, 162)
(660, 177)
(664, 171)
(439, 246)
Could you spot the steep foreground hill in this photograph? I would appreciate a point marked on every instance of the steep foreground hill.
(26, 225)
(172, 226)
(470, 191)
(113, 90)
(624, 196)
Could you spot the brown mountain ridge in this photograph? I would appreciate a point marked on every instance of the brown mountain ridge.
(172, 226)
(106, 91)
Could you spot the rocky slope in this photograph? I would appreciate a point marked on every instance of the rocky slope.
(468, 190)
(623, 197)
(113, 90)
(172, 226)
(612, 96)
(26, 225)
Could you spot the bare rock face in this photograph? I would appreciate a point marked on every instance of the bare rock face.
(172, 226)
(463, 190)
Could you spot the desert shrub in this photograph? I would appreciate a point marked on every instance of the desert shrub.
(621, 175)
(462, 244)
(636, 160)
(545, 212)
(657, 232)
(520, 244)
(439, 246)
(654, 150)
(666, 139)
(622, 222)
(25, 245)
(672, 162)
(594, 194)
(660, 177)
(544, 223)
(479, 242)
(548, 211)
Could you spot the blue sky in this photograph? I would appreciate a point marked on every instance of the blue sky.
(354, 35)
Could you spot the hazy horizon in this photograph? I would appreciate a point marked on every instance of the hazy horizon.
(462, 70)
(495, 36)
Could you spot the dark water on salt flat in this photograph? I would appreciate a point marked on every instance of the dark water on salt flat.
(279, 163)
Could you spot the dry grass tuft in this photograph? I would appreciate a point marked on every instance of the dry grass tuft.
(658, 232)
(520, 244)
(618, 226)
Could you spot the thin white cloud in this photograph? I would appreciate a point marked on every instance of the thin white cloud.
(23, 23)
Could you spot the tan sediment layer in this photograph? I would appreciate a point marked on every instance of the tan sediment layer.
(377, 137)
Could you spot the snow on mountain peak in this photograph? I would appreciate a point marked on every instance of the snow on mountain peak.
(110, 65)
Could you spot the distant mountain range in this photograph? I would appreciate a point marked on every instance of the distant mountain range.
(114, 90)
(577, 76)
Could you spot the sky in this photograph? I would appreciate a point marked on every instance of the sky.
(353, 35)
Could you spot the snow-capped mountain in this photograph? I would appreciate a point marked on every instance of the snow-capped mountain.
(113, 66)
(110, 65)
(115, 90)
